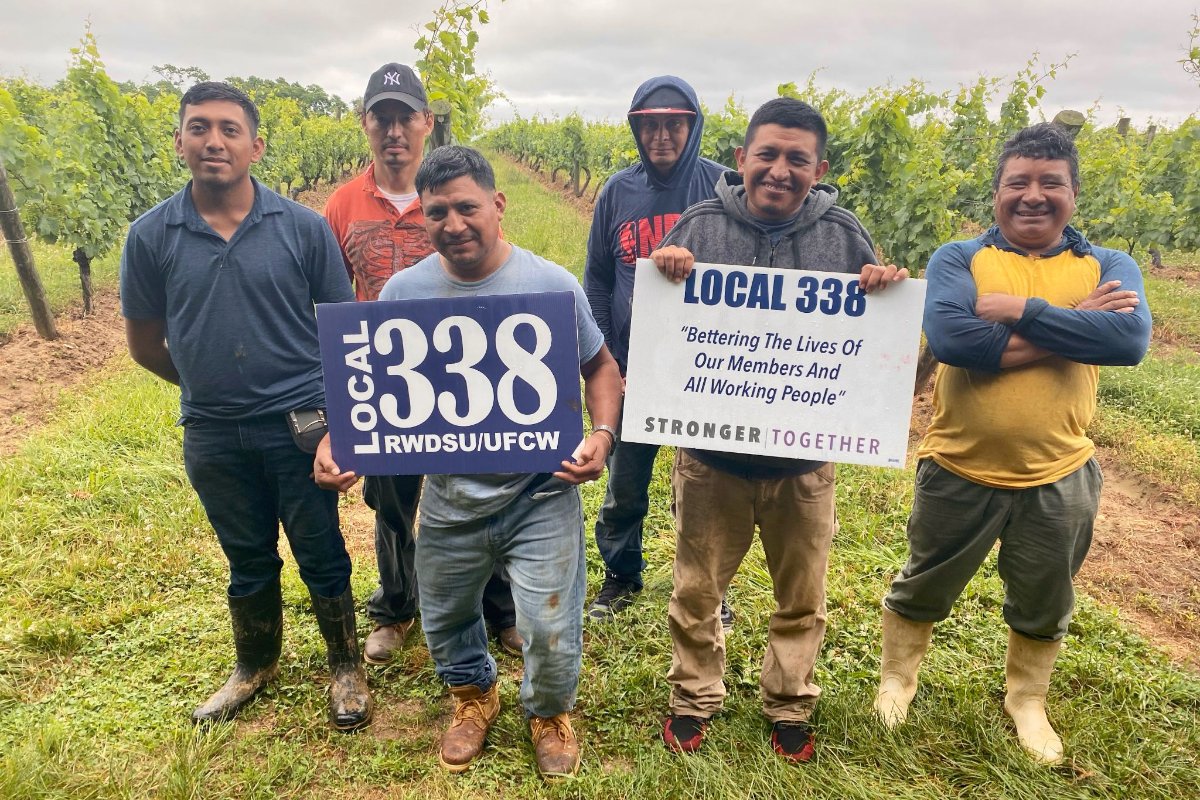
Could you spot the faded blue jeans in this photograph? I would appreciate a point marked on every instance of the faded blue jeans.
(251, 477)
(394, 498)
(540, 543)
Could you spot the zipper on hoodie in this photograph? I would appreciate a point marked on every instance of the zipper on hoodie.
(771, 259)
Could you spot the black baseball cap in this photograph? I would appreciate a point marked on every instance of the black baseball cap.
(395, 82)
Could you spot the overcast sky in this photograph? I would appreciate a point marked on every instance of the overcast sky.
(554, 56)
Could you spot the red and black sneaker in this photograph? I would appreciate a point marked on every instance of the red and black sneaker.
(793, 740)
(683, 734)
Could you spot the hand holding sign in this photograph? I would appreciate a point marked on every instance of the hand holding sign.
(773, 362)
(492, 387)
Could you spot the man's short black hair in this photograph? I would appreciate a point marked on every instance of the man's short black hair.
(452, 161)
(1044, 140)
(788, 112)
(216, 90)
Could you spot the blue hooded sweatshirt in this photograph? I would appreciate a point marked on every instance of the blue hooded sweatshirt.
(635, 210)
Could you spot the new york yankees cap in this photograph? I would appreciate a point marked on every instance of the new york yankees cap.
(395, 82)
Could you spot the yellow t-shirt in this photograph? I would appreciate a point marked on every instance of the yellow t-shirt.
(1024, 426)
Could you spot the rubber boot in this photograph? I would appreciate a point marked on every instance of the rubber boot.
(257, 639)
(1028, 669)
(904, 645)
(350, 705)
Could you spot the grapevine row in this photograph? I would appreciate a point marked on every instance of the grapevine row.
(916, 166)
(84, 157)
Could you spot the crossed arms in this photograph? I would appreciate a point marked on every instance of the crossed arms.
(1110, 327)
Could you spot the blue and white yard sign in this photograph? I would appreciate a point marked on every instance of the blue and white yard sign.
(773, 362)
(452, 385)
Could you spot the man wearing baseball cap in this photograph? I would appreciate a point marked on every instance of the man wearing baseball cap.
(635, 210)
(377, 220)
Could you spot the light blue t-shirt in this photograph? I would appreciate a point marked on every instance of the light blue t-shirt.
(458, 499)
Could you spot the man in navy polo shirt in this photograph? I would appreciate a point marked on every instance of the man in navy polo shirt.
(218, 286)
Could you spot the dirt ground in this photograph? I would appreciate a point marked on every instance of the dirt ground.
(35, 371)
(1145, 557)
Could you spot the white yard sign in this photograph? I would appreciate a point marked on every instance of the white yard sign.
(773, 362)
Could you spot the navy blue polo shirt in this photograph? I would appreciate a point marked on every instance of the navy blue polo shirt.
(240, 319)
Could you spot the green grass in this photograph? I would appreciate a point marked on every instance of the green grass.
(1163, 458)
(115, 628)
(60, 278)
(535, 220)
(1163, 391)
(1175, 306)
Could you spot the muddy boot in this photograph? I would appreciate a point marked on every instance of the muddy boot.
(555, 747)
(257, 639)
(1028, 669)
(350, 704)
(474, 713)
(904, 645)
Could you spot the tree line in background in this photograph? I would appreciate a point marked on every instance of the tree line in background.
(88, 155)
(81, 159)
(916, 166)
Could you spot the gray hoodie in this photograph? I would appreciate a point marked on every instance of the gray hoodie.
(824, 238)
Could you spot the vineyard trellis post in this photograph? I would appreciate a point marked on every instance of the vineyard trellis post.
(442, 111)
(1071, 121)
(80, 257)
(22, 255)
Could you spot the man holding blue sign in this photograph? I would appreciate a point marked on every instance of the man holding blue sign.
(531, 523)
(377, 220)
(771, 213)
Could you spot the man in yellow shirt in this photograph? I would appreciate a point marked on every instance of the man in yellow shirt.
(1021, 319)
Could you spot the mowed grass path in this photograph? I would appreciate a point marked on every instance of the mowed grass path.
(114, 628)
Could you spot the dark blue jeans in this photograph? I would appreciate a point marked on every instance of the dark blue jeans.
(394, 500)
(626, 501)
(251, 477)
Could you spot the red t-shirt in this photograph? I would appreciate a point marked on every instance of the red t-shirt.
(377, 241)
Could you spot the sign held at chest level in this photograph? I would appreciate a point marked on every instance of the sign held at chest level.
(773, 362)
(452, 385)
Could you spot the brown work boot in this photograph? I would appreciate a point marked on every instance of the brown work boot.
(555, 746)
(474, 713)
(510, 641)
(385, 642)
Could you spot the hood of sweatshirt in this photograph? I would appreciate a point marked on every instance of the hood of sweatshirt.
(686, 165)
(731, 191)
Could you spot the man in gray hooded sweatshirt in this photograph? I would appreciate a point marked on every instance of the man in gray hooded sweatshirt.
(772, 213)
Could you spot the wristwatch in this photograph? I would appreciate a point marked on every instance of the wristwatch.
(609, 430)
